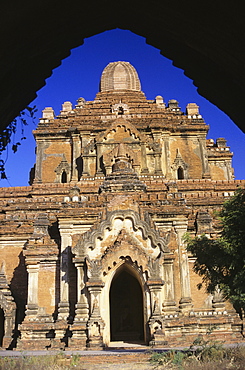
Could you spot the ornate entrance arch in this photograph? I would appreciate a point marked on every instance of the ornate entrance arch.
(121, 258)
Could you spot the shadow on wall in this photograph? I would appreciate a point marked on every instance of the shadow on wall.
(18, 287)
(55, 235)
(72, 281)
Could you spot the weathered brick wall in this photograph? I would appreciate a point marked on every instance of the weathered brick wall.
(54, 154)
(190, 153)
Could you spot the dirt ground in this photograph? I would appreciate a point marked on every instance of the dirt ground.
(132, 361)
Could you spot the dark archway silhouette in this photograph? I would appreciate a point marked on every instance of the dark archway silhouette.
(126, 308)
(202, 38)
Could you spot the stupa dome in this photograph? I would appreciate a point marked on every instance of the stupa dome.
(119, 76)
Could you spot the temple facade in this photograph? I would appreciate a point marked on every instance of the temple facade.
(92, 252)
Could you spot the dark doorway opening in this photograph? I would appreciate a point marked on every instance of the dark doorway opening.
(2, 318)
(126, 308)
(64, 177)
(180, 173)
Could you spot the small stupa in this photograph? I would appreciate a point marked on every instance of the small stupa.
(122, 177)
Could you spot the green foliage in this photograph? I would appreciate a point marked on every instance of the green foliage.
(178, 358)
(207, 350)
(75, 359)
(220, 262)
(7, 136)
(203, 354)
(45, 362)
(169, 358)
(158, 358)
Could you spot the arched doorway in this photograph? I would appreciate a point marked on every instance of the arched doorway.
(180, 173)
(126, 308)
(64, 177)
(2, 319)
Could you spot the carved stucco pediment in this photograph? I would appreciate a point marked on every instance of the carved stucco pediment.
(95, 243)
(125, 245)
(121, 130)
(63, 166)
(179, 162)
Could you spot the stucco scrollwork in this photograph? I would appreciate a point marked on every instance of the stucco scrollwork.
(90, 239)
(94, 267)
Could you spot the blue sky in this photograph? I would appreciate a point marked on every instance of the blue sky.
(79, 76)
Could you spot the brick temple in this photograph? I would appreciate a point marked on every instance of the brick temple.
(92, 252)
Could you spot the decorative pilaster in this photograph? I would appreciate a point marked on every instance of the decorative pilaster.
(81, 313)
(9, 317)
(156, 322)
(66, 242)
(9, 308)
(157, 156)
(88, 154)
(79, 327)
(85, 159)
(95, 322)
(169, 304)
(155, 287)
(143, 159)
(98, 159)
(185, 301)
(204, 159)
(76, 152)
(32, 297)
(39, 159)
(40, 250)
(166, 156)
(33, 258)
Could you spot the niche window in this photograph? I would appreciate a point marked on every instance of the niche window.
(180, 173)
(64, 177)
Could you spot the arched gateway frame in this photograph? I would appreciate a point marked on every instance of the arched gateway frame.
(119, 280)
(130, 277)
